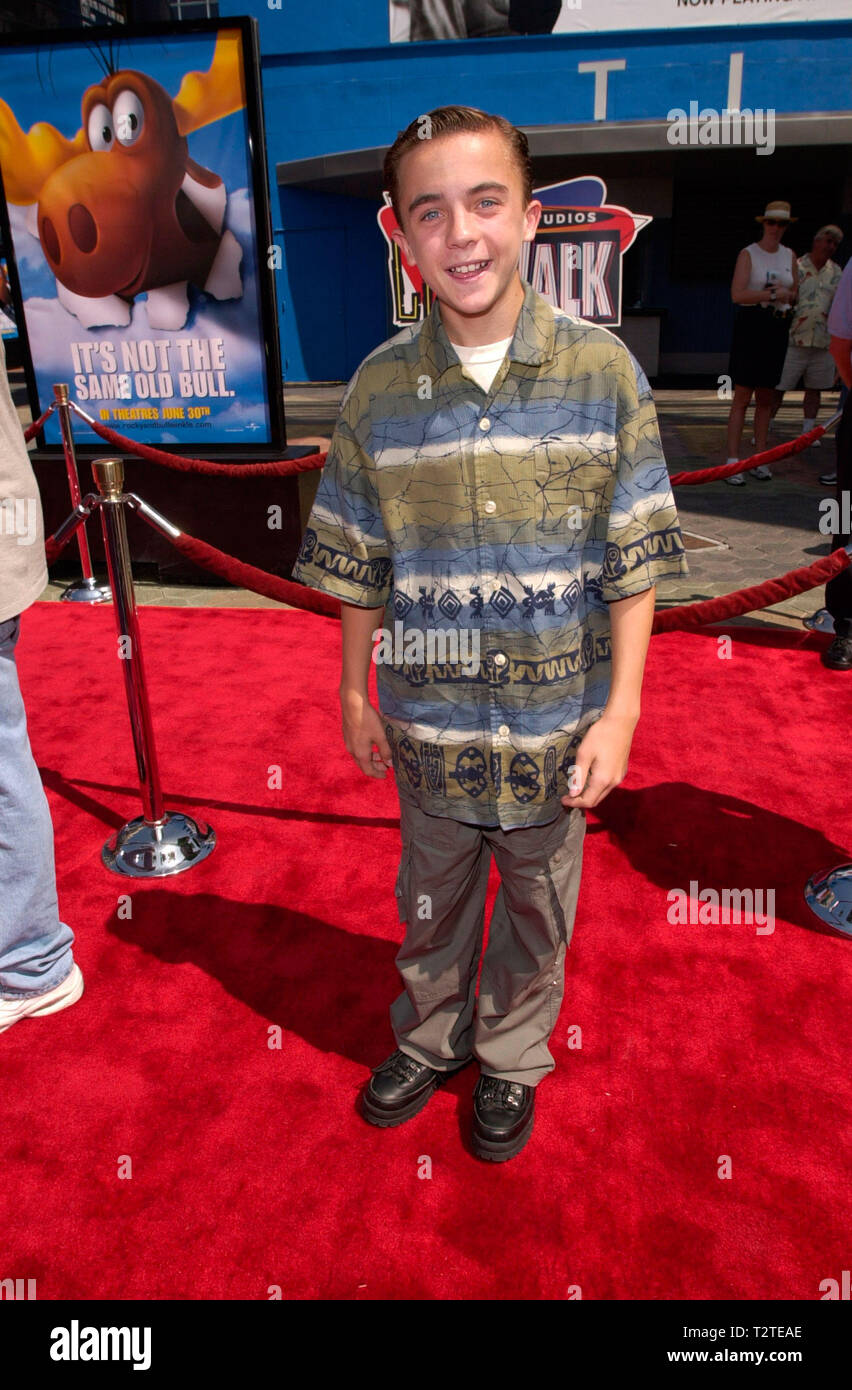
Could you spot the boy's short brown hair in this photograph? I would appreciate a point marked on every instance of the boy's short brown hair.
(450, 120)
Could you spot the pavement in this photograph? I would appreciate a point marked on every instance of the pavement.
(735, 537)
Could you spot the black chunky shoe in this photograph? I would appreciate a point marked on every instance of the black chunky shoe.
(400, 1087)
(503, 1113)
(839, 655)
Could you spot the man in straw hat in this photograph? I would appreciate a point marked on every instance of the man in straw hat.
(808, 357)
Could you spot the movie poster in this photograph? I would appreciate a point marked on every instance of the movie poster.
(134, 176)
(574, 261)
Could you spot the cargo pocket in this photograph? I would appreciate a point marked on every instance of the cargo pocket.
(565, 867)
(403, 879)
(556, 988)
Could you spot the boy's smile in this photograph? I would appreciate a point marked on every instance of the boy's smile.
(461, 201)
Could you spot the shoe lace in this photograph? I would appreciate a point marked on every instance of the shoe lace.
(403, 1067)
(497, 1091)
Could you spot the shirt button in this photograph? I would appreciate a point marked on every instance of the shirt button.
(500, 658)
(503, 731)
(490, 506)
(485, 423)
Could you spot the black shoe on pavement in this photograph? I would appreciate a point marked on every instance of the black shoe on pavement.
(503, 1113)
(400, 1087)
(839, 655)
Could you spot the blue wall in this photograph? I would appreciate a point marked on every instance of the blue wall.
(333, 82)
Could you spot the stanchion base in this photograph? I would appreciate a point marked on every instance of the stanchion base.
(820, 621)
(829, 895)
(86, 591)
(155, 849)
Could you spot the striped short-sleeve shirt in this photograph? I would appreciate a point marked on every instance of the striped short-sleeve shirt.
(493, 529)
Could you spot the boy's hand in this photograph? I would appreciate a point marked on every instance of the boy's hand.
(362, 727)
(602, 758)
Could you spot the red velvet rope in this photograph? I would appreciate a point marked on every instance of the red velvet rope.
(688, 617)
(274, 468)
(283, 467)
(246, 576)
(725, 470)
(32, 430)
(715, 610)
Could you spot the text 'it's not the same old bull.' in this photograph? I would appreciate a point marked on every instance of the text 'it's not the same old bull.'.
(122, 209)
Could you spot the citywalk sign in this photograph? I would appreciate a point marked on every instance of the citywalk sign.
(574, 261)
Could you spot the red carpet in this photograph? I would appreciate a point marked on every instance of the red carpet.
(251, 1166)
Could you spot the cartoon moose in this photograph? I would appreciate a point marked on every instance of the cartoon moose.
(122, 208)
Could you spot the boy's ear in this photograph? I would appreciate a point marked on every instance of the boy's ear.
(398, 235)
(532, 216)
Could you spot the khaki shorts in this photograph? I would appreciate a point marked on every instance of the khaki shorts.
(815, 366)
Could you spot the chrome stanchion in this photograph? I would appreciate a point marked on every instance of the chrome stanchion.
(829, 894)
(820, 621)
(832, 420)
(72, 523)
(158, 842)
(88, 589)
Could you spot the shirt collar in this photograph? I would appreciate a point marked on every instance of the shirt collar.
(532, 343)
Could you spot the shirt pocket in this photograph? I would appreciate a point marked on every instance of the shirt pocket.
(573, 481)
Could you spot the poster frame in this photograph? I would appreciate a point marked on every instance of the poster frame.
(257, 162)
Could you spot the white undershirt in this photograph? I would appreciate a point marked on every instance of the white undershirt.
(483, 361)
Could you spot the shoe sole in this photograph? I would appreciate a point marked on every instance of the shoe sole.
(496, 1152)
(387, 1119)
(63, 1003)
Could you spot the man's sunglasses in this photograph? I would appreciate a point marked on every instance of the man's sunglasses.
(773, 222)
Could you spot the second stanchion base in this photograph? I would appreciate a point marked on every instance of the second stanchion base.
(87, 591)
(155, 849)
(829, 895)
(820, 621)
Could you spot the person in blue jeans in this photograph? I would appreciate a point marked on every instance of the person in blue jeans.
(38, 973)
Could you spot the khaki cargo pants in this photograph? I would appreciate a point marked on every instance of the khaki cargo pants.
(441, 889)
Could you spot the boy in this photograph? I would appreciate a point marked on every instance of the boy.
(495, 482)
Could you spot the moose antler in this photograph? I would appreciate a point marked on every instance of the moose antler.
(28, 160)
(205, 97)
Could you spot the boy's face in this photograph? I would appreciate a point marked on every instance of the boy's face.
(464, 218)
